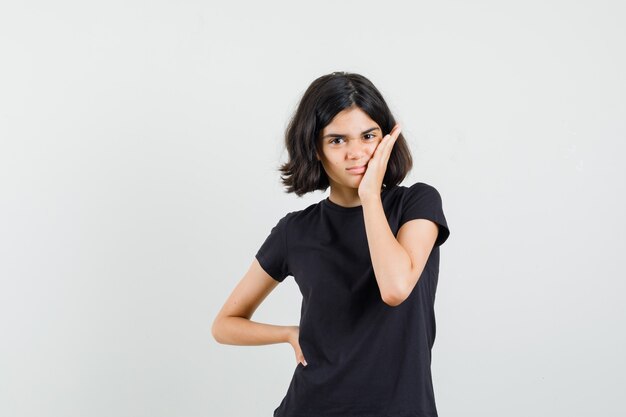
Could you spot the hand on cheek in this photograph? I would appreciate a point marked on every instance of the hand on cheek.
(372, 180)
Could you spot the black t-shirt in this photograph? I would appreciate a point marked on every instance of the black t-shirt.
(364, 357)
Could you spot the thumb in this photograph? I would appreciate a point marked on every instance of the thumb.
(300, 357)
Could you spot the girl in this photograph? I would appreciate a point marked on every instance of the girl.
(366, 260)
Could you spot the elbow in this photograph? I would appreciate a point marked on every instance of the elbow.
(396, 298)
(399, 292)
(215, 331)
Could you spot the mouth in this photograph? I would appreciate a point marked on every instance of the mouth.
(356, 170)
(357, 167)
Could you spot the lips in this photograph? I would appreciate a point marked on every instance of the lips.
(356, 168)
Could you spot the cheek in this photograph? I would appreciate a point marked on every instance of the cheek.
(372, 147)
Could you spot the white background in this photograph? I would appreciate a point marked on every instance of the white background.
(139, 147)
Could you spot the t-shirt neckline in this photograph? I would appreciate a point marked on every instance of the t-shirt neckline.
(328, 203)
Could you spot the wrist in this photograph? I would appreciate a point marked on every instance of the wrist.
(370, 199)
(290, 334)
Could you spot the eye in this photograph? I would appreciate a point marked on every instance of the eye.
(334, 139)
(371, 136)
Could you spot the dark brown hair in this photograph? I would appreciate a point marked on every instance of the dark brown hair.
(325, 97)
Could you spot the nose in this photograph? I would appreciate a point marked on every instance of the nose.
(356, 150)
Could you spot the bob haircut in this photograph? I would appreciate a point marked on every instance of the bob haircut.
(325, 97)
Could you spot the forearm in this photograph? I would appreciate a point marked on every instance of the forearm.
(391, 262)
(242, 331)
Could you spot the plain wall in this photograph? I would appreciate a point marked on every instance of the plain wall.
(139, 147)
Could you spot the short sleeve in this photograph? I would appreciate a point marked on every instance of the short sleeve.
(423, 201)
(272, 255)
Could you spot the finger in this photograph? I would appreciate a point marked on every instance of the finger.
(397, 129)
(387, 142)
(380, 148)
(383, 145)
(300, 355)
(395, 134)
(390, 140)
(391, 137)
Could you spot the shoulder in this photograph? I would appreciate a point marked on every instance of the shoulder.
(419, 190)
(419, 197)
(423, 187)
(285, 219)
(423, 201)
(296, 217)
(302, 215)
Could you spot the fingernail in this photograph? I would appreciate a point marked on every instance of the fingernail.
(304, 362)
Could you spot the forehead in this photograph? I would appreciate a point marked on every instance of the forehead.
(352, 119)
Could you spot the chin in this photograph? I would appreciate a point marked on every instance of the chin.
(350, 182)
(354, 183)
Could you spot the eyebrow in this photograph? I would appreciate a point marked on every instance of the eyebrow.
(337, 135)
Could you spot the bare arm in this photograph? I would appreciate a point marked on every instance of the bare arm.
(233, 326)
(398, 263)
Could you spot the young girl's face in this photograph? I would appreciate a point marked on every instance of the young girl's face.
(348, 141)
